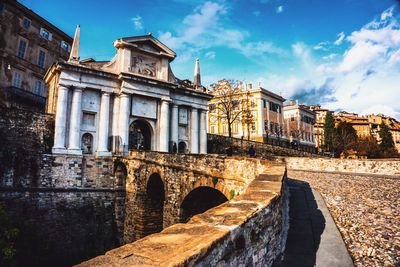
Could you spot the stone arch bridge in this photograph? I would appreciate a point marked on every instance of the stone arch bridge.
(164, 189)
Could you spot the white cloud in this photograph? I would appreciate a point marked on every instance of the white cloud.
(137, 22)
(322, 46)
(340, 38)
(330, 56)
(204, 28)
(279, 9)
(210, 55)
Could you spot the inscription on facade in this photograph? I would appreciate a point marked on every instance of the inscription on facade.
(144, 107)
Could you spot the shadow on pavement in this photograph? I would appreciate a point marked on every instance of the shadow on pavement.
(307, 224)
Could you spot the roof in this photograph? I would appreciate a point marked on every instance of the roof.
(134, 40)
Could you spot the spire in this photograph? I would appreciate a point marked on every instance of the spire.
(74, 55)
(196, 80)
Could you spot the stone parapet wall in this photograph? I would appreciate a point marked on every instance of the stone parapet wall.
(219, 144)
(389, 167)
(249, 230)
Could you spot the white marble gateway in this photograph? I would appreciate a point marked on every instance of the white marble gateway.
(133, 101)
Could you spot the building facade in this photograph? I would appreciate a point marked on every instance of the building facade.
(260, 115)
(299, 123)
(360, 123)
(320, 115)
(393, 124)
(29, 45)
(133, 101)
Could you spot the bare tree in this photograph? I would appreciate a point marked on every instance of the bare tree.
(228, 93)
(247, 115)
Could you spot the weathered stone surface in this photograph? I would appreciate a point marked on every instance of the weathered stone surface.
(249, 230)
(363, 166)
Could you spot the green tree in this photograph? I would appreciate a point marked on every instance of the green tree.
(386, 137)
(329, 131)
(386, 144)
(345, 138)
(369, 146)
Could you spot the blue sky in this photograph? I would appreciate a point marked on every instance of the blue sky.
(343, 54)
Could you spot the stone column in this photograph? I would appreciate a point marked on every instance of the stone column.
(75, 123)
(175, 125)
(164, 126)
(61, 121)
(114, 129)
(260, 116)
(203, 132)
(194, 132)
(102, 144)
(123, 124)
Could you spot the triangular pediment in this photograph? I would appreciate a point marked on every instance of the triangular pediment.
(149, 44)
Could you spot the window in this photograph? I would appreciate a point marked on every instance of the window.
(253, 126)
(65, 46)
(274, 107)
(211, 107)
(88, 119)
(1, 7)
(265, 103)
(26, 23)
(21, 49)
(17, 79)
(39, 88)
(41, 58)
(212, 129)
(224, 129)
(45, 34)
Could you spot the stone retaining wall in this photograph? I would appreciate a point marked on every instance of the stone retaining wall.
(249, 230)
(389, 167)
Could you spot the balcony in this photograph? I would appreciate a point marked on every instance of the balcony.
(22, 98)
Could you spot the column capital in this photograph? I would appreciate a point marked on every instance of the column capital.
(105, 93)
(123, 95)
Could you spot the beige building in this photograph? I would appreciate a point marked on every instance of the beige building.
(29, 45)
(359, 123)
(299, 124)
(265, 107)
(319, 125)
(393, 124)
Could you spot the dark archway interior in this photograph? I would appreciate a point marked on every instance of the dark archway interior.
(139, 135)
(153, 205)
(182, 147)
(199, 200)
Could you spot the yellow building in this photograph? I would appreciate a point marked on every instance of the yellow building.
(258, 111)
(360, 124)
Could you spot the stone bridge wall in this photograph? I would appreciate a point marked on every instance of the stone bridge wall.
(219, 144)
(249, 230)
(180, 174)
(382, 167)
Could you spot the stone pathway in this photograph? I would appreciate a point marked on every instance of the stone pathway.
(313, 238)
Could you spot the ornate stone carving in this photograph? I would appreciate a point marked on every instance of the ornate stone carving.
(144, 65)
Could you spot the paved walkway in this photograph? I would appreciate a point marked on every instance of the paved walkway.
(313, 238)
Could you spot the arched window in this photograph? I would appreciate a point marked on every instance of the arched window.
(87, 143)
(140, 135)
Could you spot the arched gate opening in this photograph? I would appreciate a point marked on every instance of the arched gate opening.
(153, 205)
(199, 200)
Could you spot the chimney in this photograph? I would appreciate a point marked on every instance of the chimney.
(74, 55)
(292, 102)
(196, 80)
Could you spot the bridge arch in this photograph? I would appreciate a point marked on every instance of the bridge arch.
(153, 205)
(199, 200)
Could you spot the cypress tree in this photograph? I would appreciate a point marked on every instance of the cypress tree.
(386, 142)
(329, 131)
